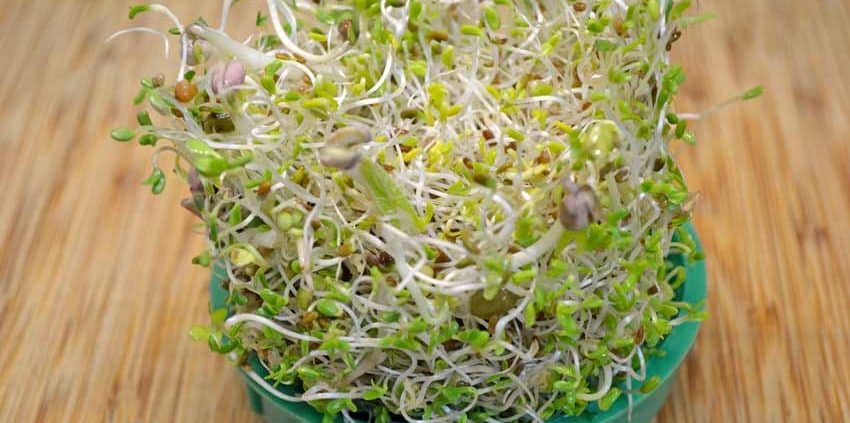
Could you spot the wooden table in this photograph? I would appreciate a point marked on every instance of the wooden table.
(97, 292)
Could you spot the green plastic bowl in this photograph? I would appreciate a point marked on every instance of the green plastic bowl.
(644, 407)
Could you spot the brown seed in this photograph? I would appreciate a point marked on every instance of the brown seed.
(308, 317)
(620, 27)
(344, 29)
(409, 113)
(264, 188)
(185, 91)
(580, 6)
(345, 250)
(487, 134)
(486, 309)
(673, 38)
(158, 80)
(437, 35)
(381, 259)
(639, 336)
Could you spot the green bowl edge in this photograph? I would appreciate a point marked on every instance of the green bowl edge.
(676, 346)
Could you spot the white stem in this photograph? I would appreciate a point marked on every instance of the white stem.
(250, 58)
(253, 318)
(545, 244)
(141, 29)
(225, 11)
(289, 44)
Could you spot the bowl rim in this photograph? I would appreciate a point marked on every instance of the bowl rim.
(675, 347)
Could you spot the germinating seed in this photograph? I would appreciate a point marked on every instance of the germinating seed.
(419, 257)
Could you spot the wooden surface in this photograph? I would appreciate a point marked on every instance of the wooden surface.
(97, 292)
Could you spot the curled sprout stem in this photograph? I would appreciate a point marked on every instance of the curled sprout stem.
(435, 211)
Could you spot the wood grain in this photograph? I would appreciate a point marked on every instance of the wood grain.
(97, 292)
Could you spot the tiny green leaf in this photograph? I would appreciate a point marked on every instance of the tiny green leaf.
(156, 180)
(650, 384)
(471, 30)
(147, 139)
(608, 400)
(328, 308)
(261, 20)
(144, 118)
(477, 339)
(374, 393)
(491, 17)
(604, 46)
(200, 333)
(122, 134)
(752, 93)
(389, 197)
(135, 10)
(454, 393)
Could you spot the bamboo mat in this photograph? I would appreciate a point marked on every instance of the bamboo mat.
(97, 292)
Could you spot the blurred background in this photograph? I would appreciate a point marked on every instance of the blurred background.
(97, 292)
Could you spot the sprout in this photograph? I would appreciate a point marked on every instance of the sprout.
(446, 212)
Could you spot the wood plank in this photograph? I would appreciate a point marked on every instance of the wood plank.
(98, 293)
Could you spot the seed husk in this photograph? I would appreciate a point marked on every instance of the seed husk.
(339, 158)
(578, 208)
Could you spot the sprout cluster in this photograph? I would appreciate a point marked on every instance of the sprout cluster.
(435, 211)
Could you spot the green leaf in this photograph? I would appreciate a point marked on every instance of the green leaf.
(241, 257)
(218, 316)
(200, 333)
(477, 339)
(156, 180)
(608, 400)
(454, 393)
(388, 196)
(208, 161)
(141, 96)
(678, 9)
(650, 384)
(335, 346)
(144, 118)
(235, 215)
(693, 20)
(471, 30)
(261, 20)
(135, 10)
(752, 93)
(328, 308)
(148, 139)
(203, 259)
(374, 393)
(491, 17)
(419, 68)
(122, 134)
(603, 46)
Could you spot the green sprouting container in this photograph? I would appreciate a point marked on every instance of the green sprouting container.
(644, 406)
